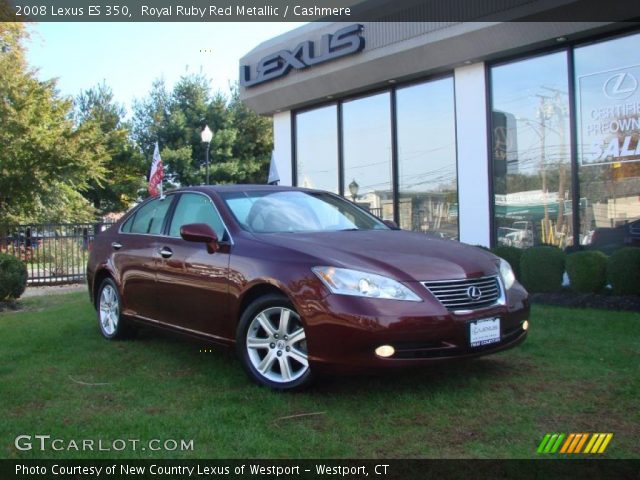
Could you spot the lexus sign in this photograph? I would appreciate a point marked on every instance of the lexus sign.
(346, 41)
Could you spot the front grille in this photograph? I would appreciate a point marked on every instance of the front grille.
(467, 294)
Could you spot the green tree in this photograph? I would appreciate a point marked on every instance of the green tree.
(241, 146)
(45, 159)
(123, 160)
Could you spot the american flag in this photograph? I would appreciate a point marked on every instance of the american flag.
(156, 175)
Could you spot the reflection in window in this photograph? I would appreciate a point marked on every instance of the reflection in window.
(317, 149)
(427, 158)
(608, 126)
(367, 153)
(531, 152)
(195, 208)
(150, 218)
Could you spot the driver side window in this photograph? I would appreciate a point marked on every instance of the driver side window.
(196, 208)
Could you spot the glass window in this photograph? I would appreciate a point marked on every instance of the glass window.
(427, 158)
(367, 153)
(150, 217)
(531, 152)
(195, 208)
(317, 149)
(608, 127)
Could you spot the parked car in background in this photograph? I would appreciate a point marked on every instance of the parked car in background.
(301, 282)
(519, 235)
(611, 239)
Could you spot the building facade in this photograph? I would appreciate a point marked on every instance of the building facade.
(493, 133)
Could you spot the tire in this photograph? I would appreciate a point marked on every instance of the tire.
(272, 345)
(112, 323)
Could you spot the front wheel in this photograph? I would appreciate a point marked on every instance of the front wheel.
(272, 344)
(110, 319)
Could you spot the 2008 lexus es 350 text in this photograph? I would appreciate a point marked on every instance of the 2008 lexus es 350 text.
(302, 282)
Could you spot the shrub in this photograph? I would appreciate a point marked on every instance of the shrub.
(511, 255)
(623, 271)
(13, 277)
(542, 268)
(587, 271)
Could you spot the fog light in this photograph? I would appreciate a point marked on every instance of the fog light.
(385, 351)
(525, 325)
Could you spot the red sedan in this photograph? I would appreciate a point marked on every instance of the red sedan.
(302, 282)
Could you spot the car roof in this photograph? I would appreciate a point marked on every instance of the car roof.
(240, 188)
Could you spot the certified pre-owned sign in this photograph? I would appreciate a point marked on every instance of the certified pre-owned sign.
(345, 41)
(610, 117)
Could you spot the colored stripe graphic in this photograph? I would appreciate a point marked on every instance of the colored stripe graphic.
(554, 449)
(544, 441)
(575, 442)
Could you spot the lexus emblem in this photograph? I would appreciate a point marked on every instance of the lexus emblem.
(474, 293)
(620, 86)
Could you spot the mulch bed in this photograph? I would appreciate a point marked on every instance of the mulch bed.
(588, 300)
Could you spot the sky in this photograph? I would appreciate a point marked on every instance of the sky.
(130, 56)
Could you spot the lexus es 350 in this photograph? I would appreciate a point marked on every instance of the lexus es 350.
(301, 282)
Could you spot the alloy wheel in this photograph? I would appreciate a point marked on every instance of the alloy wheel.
(109, 310)
(277, 346)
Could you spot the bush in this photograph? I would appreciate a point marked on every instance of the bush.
(587, 271)
(623, 271)
(511, 255)
(542, 268)
(13, 277)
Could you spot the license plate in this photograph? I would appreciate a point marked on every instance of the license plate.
(484, 332)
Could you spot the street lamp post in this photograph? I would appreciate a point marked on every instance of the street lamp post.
(207, 135)
(353, 190)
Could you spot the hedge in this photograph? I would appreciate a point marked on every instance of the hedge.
(13, 277)
(623, 271)
(542, 269)
(587, 271)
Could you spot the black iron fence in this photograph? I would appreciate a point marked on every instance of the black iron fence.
(55, 254)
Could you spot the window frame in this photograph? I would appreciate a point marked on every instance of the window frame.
(568, 47)
(339, 101)
(175, 197)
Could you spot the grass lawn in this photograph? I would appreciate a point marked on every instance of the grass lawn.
(579, 371)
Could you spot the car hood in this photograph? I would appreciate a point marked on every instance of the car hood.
(403, 255)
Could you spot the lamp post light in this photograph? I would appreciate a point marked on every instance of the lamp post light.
(207, 135)
(353, 190)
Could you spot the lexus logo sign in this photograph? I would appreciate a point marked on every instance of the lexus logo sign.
(620, 86)
(474, 293)
(345, 41)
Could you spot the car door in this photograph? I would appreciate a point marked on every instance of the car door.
(135, 259)
(192, 284)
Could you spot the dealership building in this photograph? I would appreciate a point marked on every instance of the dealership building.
(491, 132)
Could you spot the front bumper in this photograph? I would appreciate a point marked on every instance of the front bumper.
(343, 332)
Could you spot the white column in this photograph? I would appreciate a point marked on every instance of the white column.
(282, 146)
(473, 162)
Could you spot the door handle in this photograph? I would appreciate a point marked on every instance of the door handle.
(116, 245)
(166, 252)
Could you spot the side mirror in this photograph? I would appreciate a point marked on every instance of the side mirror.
(391, 224)
(201, 233)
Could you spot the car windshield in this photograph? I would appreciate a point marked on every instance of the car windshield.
(280, 211)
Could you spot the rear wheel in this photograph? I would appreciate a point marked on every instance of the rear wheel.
(272, 343)
(109, 311)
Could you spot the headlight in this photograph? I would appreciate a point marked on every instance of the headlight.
(342, 281)
(506, 273)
